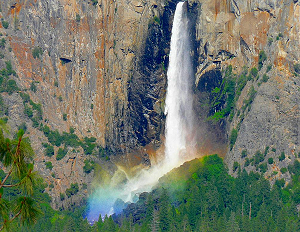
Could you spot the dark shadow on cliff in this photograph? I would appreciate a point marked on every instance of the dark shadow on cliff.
(211, 136)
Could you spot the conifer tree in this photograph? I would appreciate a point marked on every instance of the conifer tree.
(16, 156)
(155, 221)
(164, 216)
(232, 225)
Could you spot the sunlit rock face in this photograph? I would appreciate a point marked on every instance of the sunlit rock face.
(234, 32)
(105, 67)
(89, 59)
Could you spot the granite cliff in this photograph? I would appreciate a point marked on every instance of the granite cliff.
(76, 59)
(98, 71)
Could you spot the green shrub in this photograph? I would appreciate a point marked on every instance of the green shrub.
(84, 186)
(35, 122)
(261, 59)
(65, 117)
(280, 183)
(53, 136)
(11, 87)
(72, 190)
(37, 52)
(248, 102)
(156, 20)
(233, 137)
(70, 139)
(62, 196)
(28, 111)
(224, 95)
(269, 67)
(9, 69)
(5, 24)
(72, 130)
(297, 68)
(78, 18)
(254, 72)
(49, 151)
(88, 166)
(25, 97)
(258, 158)
(88, 145)
(244, 153)
(94, 2)
(270, 161)
(263, 167)
(33, 87)
(61, 153)
(274, 173)
(247, 162)
(283, 170)
(241, 82)
(37, 107)
(282, 156)
(280, 35)
(266, 150)
(56, 83)
(2, 43)
(273, 149)
(235, 166)
(49, 165)
(270, 41)
(265, 78)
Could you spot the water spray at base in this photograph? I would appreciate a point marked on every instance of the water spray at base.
(179, 125)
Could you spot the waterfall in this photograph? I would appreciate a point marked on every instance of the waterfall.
(178, 101)
(178, 125)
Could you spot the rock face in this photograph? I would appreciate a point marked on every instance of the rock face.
(234, 32)
(85, 74)
(273, 120)
(100, 68)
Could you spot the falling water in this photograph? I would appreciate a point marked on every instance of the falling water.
(178, 100)
(178, 124)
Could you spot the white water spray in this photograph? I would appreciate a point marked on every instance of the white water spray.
(179, 100)
(178, 123)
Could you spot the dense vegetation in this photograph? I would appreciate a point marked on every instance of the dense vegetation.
(225, 96)
(199, 196)
(69, 140)
(6, 84)
(24, 204)
(212, 200)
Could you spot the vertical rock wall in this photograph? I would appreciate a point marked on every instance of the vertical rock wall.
(233, 33)
(89, 54)
(103, 65)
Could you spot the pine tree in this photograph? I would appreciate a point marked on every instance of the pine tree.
(15, 157)
(154, 226)
(232, 225)
(164, 216)
(109, 224)
(185, 226)
(99, 223)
